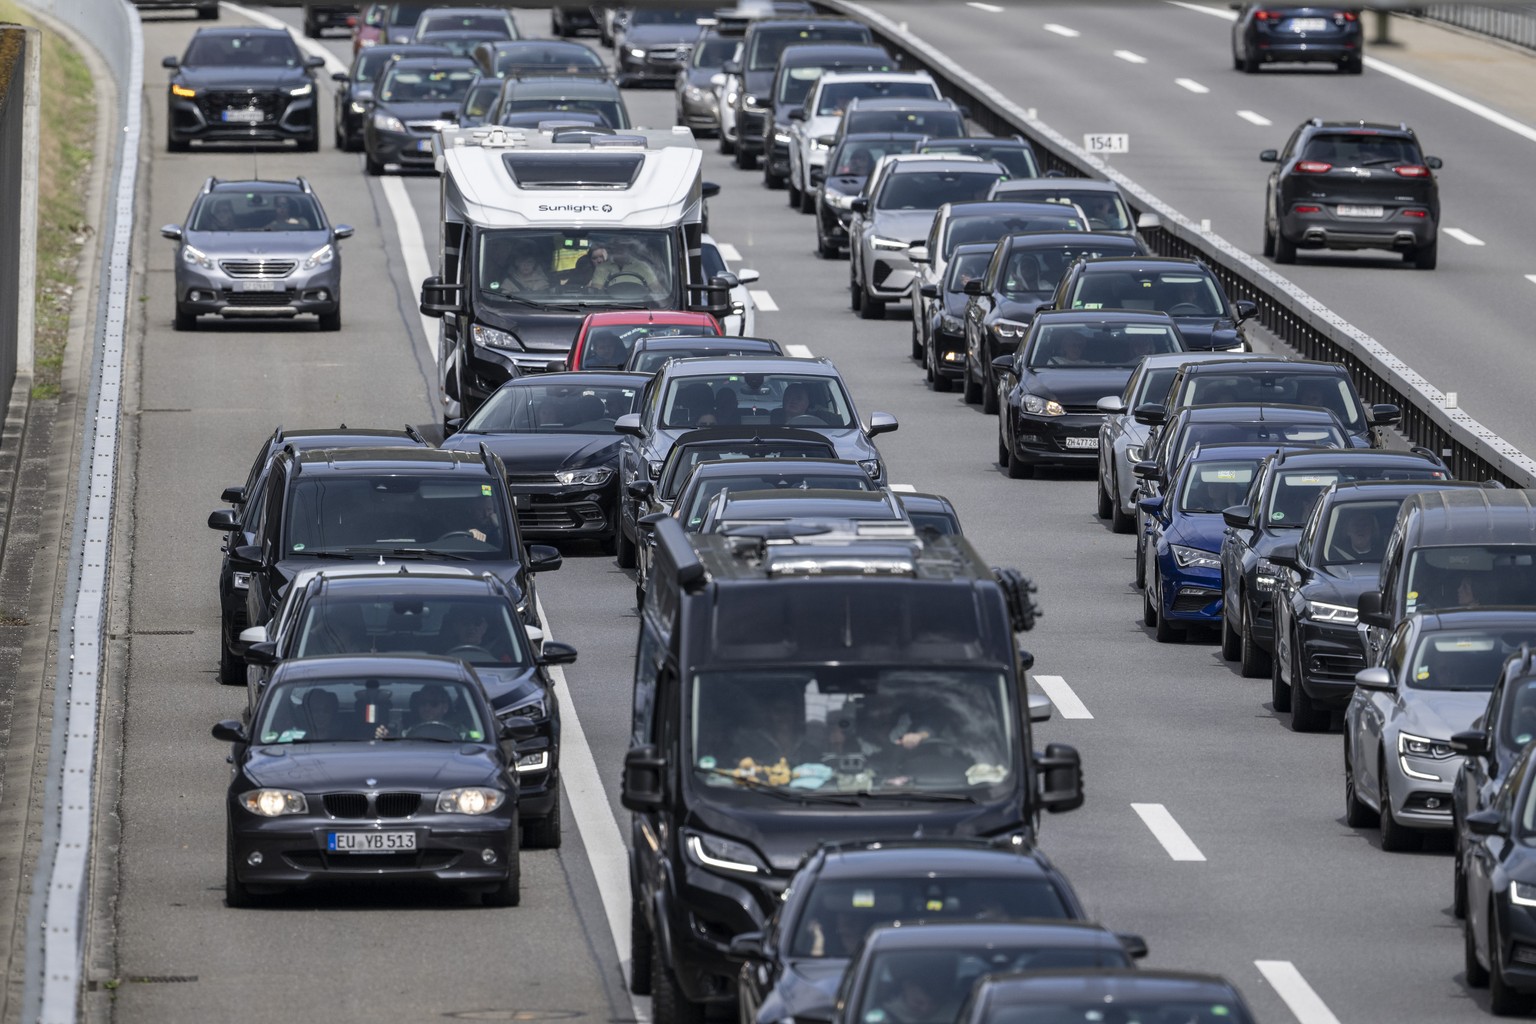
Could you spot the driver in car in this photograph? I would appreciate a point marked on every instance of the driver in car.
(617, 263)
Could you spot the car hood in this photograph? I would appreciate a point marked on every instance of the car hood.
(509, 686)
(261, 244)
(359, 91)
(845, 184)
(1076, 385)
(660, 35)
(822, 124)
(1202, 530)
(1018, 309)
(807, 984)
(903, 225)
(1439, 714)
(535, 453)
(222, 77)
(545, 333)
(1342, 584)
(382, 765)
(436, 110)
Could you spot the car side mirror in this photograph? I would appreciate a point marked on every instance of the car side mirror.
(234, 495)
(1239, 517)
(264, 653)
(1434, 163)
(1270, 156)
(1147, 470)
(1026, 660)
(171, 231)
(1060, 771)
(341, 231)
(651, 519)
(250, 635)
(928, 291)
(1110, 404)
(1003, 364)
(1485, 823)
(881, 423)
(249, 554)
(543, 558)
(1285, 555)
(1385, 414)
(452, 425)
(1135, 945)
(798, 114)
(629, 424)
(918, 254)
(746, 946)
(1150, 414)
(1246, 309)
(340, 76)
(1472, 743)
(518, 729)
(859, 204)
(556, 653)
(1039, 708)
(709, 189)
(745, 276)
(975, 286)
(225, 519)
(169, 62)
(1152, 506)
(641, 490)
(644, 780)
(314, 62)
(1368, 606)
(1148, 222)
(230, 731)
(1374, 678)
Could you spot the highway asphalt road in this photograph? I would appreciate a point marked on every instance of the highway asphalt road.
(1258, 869)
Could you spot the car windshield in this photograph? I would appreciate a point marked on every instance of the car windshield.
(1328, 391)
(371, 62)
(1153, 386)
(609, 112)
(835, 96)
(857, 157)
(1019, 161)
(1098, 346)
(690, 511)
(780, 399)
(607, 346)
(1469, 576)
(477, 102)
(1362, 149)
(928, 190)
(463, 21)
(571, 270)
(971, 228)
(1214, 486)
(663, 16)
(1034, 270)
(369, 708)
(478, 630)
(357, 515)
(920, 122)
(535, 56)
(970, 266)
(257, 211)
(406, 15)
(941, 978)
(258, 49)
(840, 913)
(1178, 293)
(768, 44)
(1128, 1010)
(532, 408)
(1105, 211)
(714, 51)
(1465, 659)
(425, 85)
(1355, 532)
(1276, 433)
(1296, 493)
(854, 727)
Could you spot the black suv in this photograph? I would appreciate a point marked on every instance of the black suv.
(1265, 33)
(1352, 185)
(1185, 289)
(242, 85)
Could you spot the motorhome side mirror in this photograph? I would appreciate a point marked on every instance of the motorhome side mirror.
(1385, 414)
(1151, 506)
(341, 231)
(859, 204)
(171, 231)
(1485, 823)
(629, 424)
(644, 771)
(1270, 156)
(975, 286)
(518, 729)
(439, 299)
(543, 558)
(1368, 605)
(929, 291)
(641, 489)
(230, 731)
(1246, 309)
(1148, 222)
(881, 423)
(224, 519)
(234, 495)
(556, 653)
(1150, 414)
(1039, 708)
(918, 254)
(709, 189)
(1239, 517)
(746, 946)
(1472, 743)
(1135, 945)
(1060, 771)
(1285, 555)
(1026, 660)
(1148, 470)
(797, 114)
(1375, 678)
(169, 62)
(264, 653)
(1110, 404)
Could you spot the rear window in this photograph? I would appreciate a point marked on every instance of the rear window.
(1098, 346)
(1328, 391)
(259, 49)
(421, 85)
(920, 122)
(1175, 292)
(614, 170)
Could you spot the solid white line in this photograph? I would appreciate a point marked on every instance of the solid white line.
(333, 63)
(1304, 1004)
(798, 351)
(1464, 237)
(1191, 85)
(765, 303)
(1253, 118)
(1061, 695)
(728, 252)
(1202, 9)
(989, 8)
(1168, 832)
(1129, 57)
(1062, 30)
(412, 247)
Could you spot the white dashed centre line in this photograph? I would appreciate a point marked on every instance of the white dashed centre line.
(1062, 30)
(1061, 695)
(989, 8)
(901, 488)
(1129, 57)
(1464, 237)
(1168, 832)
(764, 301)
(728, 252)
(798, 351)
(1254, 118)
(1191, 85)
(1288, 983)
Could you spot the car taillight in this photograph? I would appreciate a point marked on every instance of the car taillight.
(1415, 213)
(1270, 15)
(1307, 209)
(1412, 171)
(1347, 16)
(1313, 167)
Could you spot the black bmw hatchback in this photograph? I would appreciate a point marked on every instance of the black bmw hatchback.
(242, 85)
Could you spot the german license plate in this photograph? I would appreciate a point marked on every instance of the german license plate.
(245, 115)
(256, 286)
(1309, 24)
(423, 145)
(1083, 442)
(1361, 211)
(371, 842)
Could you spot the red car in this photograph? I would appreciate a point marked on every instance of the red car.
(604, 339)
(369, 28)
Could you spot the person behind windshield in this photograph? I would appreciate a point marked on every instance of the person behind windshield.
(487, 525)
(222, 216)
(795, 408)
(466, 628)
(285, 215)
(1071, 349)
(921, 994)
(858, 163)
(1361, 541)
(524, 274)
(604, 352)
(615, 263)
(1100, 211)
(430, 705)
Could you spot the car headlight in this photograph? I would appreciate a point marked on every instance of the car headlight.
(654, 467)
(755, 102)
(837, 200)
(1194, 558)
(1522, 894)
(888, 244)
(357, 108)
(731, 96)
(722, 854)
(1038, 405)
(594, 477)
(1423, 748)
(194, 255)
(323, 255)
(535, 762)
(182, 91)
(302, 90)
(817, 146)
(637, 53)
(469, 800)
(872, 467)
(491, 337)
(1010, 330)
(1135, 452)
(1265, 574)
(388, 123)
(274, 803)
(697, 95)
(535, 709)
(1322, 611)
(781, 136)
(951, 324)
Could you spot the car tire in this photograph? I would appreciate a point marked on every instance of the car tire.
(826, 250)
(1141, 563)
(668, 1004)
(727, 145)
(937, 381)
(1018, 469)
(1002, 446)
(971, 391)
(544, 833)
(989, 400)
(1503, 1000)
(1237, 62)
(331, 321)
(175, 145)
(1305, 715)
(1356, 813)
(1426, 256)
(642, 950)
(1148, 610)
(1163, 631)
(231, 668)
(1395, 838)
(1269, 242)
(1255, 662)
(1231, 643)
(1458, 879)
(745, 161)
(870, 308)
(1279, 689)
(208, 13)
(510, 892)
(807, 201)
(311, 30)
(1285, 249)
(311, 142)
(623, 549)
(1119, 522)
(373, 167)
(793, 195)
(919, 354)
(185, 321)
(855, 290)
(1477, 974)
(1105, 507)
(1250, 65)
(1353, 66)
(237, 895)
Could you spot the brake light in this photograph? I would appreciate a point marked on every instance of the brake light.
(1412, 171)
(1307, 209)
(1348, 16)
(1415, 213)
(1313, 167)
(1270, 15)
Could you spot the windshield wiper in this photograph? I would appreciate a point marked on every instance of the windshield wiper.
(428, 553)
(782, 792)
(917, 794)
(325, 553)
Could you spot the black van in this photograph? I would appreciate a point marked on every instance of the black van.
(1453, 549)
(795, 686)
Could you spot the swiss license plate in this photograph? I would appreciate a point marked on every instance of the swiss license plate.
(423, 145)
(371, 842)
(1082, 442)
(1309, 24)
(245, 115)
(256, 286)
(1361, 211)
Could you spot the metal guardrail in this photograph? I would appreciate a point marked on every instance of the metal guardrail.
(1313, 330)
(1510, 23)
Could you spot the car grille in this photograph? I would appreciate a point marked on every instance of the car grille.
(749, 124)
(1193, 600)
(397, 805)
(559, 517)
(530, 478)
(217, 101)
(426, 126)
(346, 805)
(258, 300)
(386, 805)
(258, 268)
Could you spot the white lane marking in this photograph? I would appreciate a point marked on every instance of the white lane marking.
(412, 247)
(1531, 278)
(798, 351)
(1129, 57)
(1254, 118)
(989, 8)
(1303, 1002)
(904, 488)
(728, 252)
(1168, 832)
(1464, 237)
(1191, 85)
(333, 63)
(1061, 30)
(1061, 695)
(765, 303)
(1202, 9)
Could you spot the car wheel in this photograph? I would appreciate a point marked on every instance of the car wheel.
(745, 161)
(989, 394)
(1458, 878)
(1279, 689)
(1002, 445)
(338, 137)
(1119, 522)
(642, 950)
(1285, 249)
(727, 146)
(870, 308)
(311, 30)
(175, 145)
(1148, 610)
(972, 390)
(310, 143)
(1305, 715)
(1356, 813)
(237, 895)
(1163, 631)
(510, 892)
(331, 321)
(807, 201)
(1250, 65)
(1426, 256)
(855, 290)
(372, 166)
(825, 249)
(1141, 564)
(1395, 838)
(1353, 66)
(1018, 469)
(1255, 662)
(1503, 1000)
(1105, 506)
(231, 668)
(624, 549)
(918, 353)
(544, 833)
(1269, 241)
(668, 1004)
(185, 321)
(936, 380)
(1231, 643)
(1477, 974)
(795, 196)
(208, 13)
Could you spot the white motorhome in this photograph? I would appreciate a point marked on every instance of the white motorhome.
(540, 227)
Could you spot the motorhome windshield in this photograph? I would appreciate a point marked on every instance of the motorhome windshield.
(565, 270)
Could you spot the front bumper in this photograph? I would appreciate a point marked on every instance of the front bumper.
(707, 912)
(949, 354)
(1326, 229)
(701, 113)
(776, 157)
(834, 222)
(1261, 613)
(408, 148)
(1329, 656)
(213, 292)
(750, 125)
(1412, 797)
(888, 275)
(653, 67)
(1189, 595)
(1072, 439)
(552, 511)
(206, 117)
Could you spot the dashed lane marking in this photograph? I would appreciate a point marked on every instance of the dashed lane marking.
(1063, 697)
(765, 303)
(1062, 30)
(989, 8)
(1168, 832)
(1304, 1003)
(1192, 85)
(1129, 57)
(1254, 118)
(799, 351)
(728, 252)
(1464, 237)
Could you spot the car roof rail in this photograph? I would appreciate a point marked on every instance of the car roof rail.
(209, 183)
(414, 434)
(303, 184)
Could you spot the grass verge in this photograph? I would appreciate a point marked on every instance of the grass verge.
(68, 131)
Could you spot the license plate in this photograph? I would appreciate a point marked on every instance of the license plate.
(255, 286)
(1309, 24)
(245, 116)
(1361, 211)
(1082, 442)
(424, 145)
(371, 842)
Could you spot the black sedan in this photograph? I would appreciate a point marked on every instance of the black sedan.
(242, 85)
(416, 97)
(1267, 33)
(1185, 289)
(1137, 996)
(554, 432)
(354, 88)
(1051, 384)
(943, 354)
(848, 168)
(1501, 892)
(383, 769)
